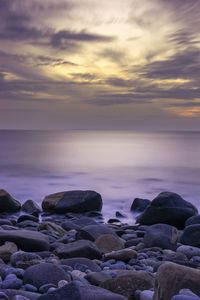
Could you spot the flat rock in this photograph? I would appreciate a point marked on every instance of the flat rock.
(168, 208)
(73, 262)
(161, 235)
(109, 242)
(72, 201)
(44, 273)
(123, 255)
(8, 203)
(26, 240)
(128, 283)
(171, 278)
(81, 248)
(92, 232)
(79, 291)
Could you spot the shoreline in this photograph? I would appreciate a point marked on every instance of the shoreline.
(68, 251)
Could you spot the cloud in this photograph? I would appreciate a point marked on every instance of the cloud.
(66, 39)
(185, 64)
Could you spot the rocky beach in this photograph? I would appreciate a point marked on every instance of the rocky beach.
(66, 250)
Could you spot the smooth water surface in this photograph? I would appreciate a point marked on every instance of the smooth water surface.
(119, 165)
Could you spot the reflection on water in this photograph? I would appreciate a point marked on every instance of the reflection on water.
(119, 165)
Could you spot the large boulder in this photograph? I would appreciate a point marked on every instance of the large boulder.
(27, 240)
(80, 291)
(81, 248)
(161, 235)
(7, 203)
(44, 273)
(72, 201)
(129, 282)
(171, 278)
(191, 235)
(168, 208)
(139, 204)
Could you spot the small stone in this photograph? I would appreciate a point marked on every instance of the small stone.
(124, 255)
(109, 242)
(61, 283)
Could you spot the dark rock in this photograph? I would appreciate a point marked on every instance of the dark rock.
(31, 207)
(8, 203)
(72, 262)
(189, 251)
(43, 273)
(161, 235)
(168, 208)
(171, 278)
(92, 232)
(23, 218)
(69, 225)
(139, 204)
(72, 201)
(28, 224)
(79, 291)
(81, 248)
(5, 222)
(193, 220)
(26, 240)
(191, 235)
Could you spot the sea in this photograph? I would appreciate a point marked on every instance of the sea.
(120, 165)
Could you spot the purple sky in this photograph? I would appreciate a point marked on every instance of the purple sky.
(90, 64)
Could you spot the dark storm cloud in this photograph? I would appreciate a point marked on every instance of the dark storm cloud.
(185, 64)
(66, 38)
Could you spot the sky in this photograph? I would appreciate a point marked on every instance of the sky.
(90, 64)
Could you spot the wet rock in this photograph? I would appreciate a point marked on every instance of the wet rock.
(52, 228)
(139, 204)
(44, 273)
(109, 242)
(79, 291)
(81, 248)
(23, 218)
(171, 278)
(12, 293)
(161, 235)
(26, 240)
(168, 208)
(7, 203)
(72, 201)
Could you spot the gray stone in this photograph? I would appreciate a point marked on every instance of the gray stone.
(73, 262)
(31, 207)
(92, 232)
(109, 242)
(189, 251)
(191, 235)
(44, 273)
